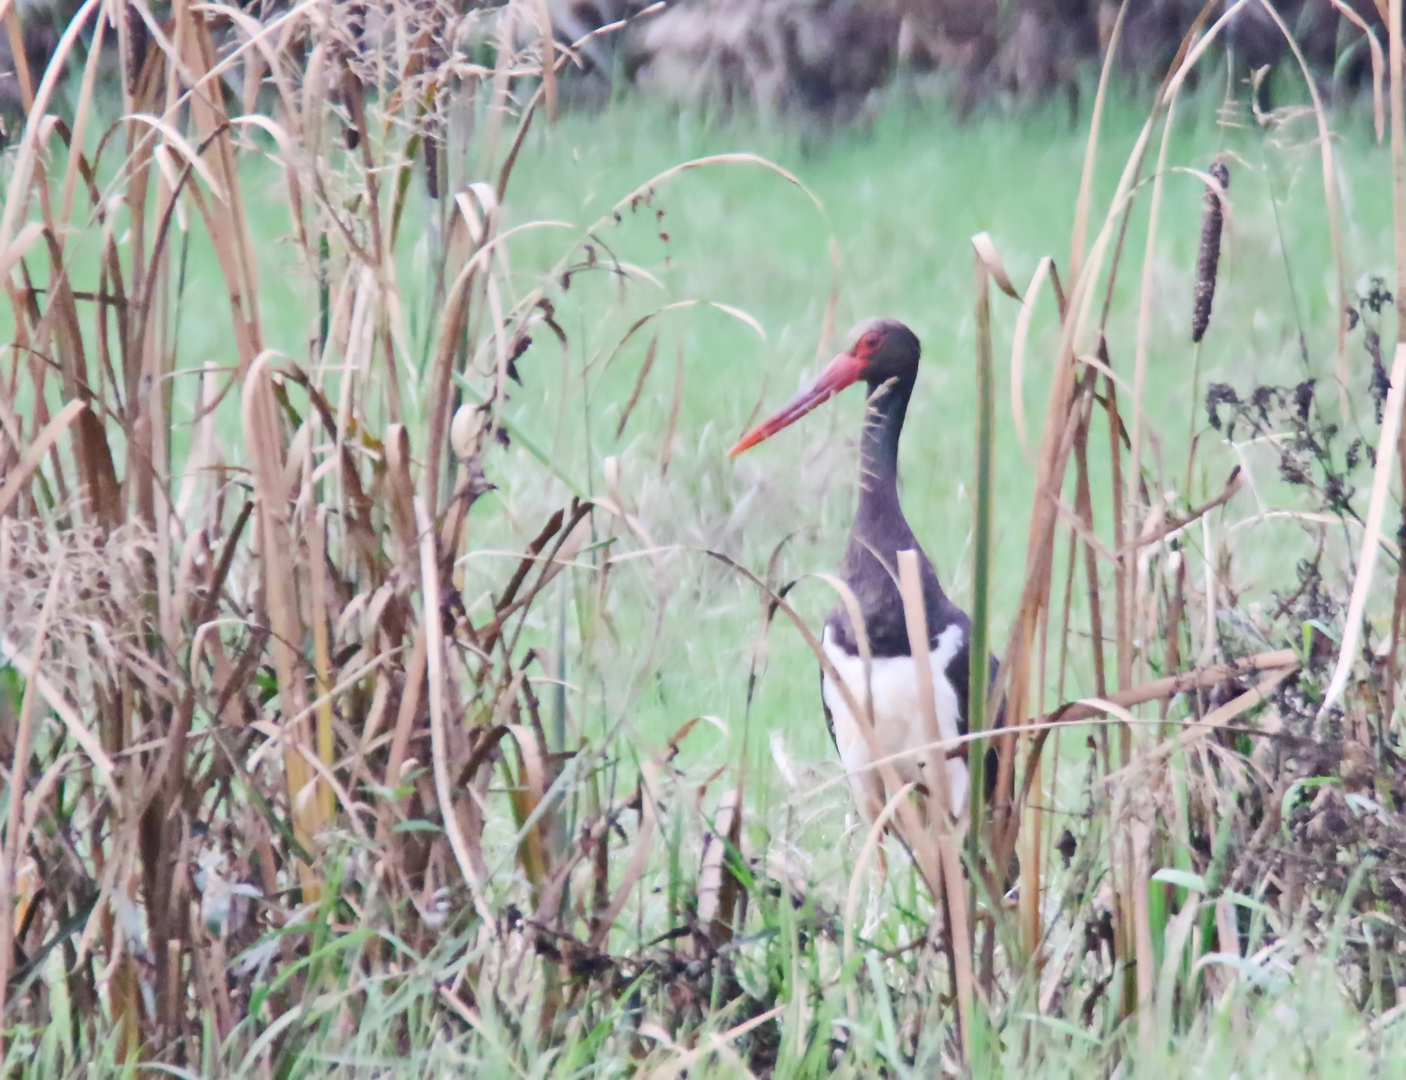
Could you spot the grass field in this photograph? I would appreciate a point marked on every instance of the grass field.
(717, 312)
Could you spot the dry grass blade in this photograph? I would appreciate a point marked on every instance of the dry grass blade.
(1371, 534)
(645, 369)
(1018, 344)
(17, 196)
(1378, 66)
(645, 189)
(434, 643)
(990, 258)
(1086, 181)
(35, 452)
(18, 247)
(717, 885)
(548, 59)
(17, 51)
(19, 770)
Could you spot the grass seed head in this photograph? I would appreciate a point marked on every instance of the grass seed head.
(1208, 257)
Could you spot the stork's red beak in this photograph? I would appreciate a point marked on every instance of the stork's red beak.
(840, 372)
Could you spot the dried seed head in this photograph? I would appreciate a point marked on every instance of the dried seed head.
(138, 42)
(1208, 256)
(431, 148)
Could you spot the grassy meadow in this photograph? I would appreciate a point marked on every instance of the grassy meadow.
(272, 810)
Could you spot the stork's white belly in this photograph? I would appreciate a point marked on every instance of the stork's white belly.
(898, 715)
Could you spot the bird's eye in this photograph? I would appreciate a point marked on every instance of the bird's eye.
(871, 341)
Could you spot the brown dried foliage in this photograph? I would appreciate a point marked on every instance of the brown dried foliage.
(254, 704)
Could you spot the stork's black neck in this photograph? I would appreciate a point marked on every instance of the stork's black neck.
(879, 524)
(880, 532)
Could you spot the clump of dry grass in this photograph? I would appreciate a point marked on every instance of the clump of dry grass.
(256, 650)
(274, 790)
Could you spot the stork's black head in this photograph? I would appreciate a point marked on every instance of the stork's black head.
(879, 350)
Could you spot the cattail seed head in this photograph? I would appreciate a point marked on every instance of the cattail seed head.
(1208, 256)
(431, 146)
(138, 42)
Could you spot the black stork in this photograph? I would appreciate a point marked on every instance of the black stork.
(883, 354)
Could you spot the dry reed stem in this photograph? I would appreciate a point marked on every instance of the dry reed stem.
(1055, 443)
(1129, 889)
(265, 443)
(80, 123)
(1083, 506)
(1398, 217)
(1172, 685)
(1398, 156)
(1236, 706)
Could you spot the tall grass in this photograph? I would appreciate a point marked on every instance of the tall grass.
(304, 771)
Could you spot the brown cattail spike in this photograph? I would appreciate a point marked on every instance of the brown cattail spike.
(432, 162)
(138, 42)
(1208, 256)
